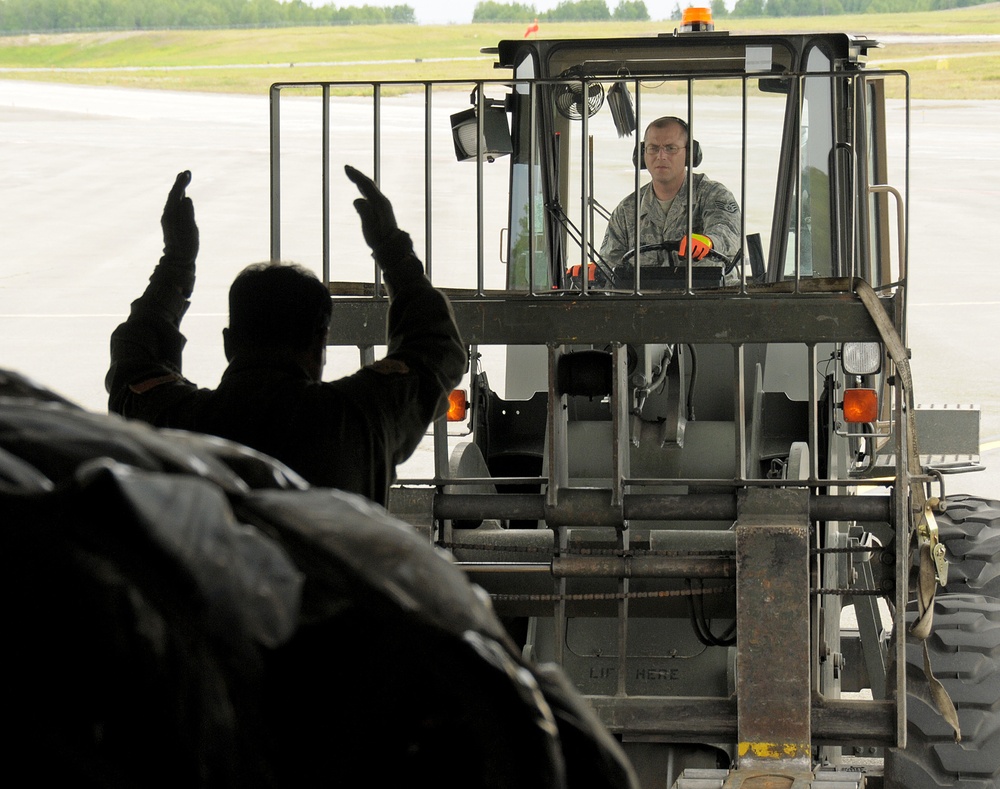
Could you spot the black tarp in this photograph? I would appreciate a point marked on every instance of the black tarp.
(182, 611)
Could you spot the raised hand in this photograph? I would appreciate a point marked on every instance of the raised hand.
(180, 233)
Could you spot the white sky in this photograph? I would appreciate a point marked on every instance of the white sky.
(440, 12)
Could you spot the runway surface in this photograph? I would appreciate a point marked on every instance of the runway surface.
(86, 171)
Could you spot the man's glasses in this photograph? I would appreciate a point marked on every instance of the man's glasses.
(669, 150)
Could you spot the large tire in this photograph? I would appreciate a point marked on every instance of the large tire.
(964, 649)
(970, 529)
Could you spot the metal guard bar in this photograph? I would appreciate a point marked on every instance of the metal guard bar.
(825, 310)
(833, 721)
(593, 507)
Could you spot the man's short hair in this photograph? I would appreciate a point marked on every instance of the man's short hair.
(668, 120)
(278, 305)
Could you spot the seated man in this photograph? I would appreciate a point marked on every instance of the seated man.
(663, 208)
(348, 434)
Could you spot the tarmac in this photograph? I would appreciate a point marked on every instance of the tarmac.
(87, 170)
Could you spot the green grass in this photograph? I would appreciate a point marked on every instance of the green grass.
(249, 61)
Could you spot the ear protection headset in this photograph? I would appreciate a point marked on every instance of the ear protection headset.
(694, 144)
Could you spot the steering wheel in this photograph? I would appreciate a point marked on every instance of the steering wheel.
(672, 246)
(625, 270)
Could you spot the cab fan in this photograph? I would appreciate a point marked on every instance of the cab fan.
(573, 99)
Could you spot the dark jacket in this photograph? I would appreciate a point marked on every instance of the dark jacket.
(348, 434)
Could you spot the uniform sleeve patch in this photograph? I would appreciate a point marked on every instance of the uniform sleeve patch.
(389, 367)
(152, 383)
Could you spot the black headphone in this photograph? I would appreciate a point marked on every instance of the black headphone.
(695, 145)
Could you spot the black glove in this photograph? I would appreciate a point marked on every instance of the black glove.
(391, 247)
(172, 282)
(180, 233)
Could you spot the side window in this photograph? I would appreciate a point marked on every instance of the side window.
(810, 241)
(527, 203)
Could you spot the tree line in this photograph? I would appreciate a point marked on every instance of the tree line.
(569, 11)
(635, 10)
(749, 8)
(38, 16)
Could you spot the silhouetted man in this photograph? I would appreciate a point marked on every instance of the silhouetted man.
(348, 434)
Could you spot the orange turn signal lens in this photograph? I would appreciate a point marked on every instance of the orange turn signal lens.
(458, 405)
(860, 405)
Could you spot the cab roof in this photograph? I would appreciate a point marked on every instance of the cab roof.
(698, 53)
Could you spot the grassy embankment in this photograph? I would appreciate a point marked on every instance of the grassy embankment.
(248, 61)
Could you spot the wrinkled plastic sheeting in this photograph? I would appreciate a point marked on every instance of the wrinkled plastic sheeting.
(411, 643)
(251, 468)
(138, 615)
(14, 384)
(178, 533)
(55, 438)
(379, 553)
(183, 611)
(17, 475)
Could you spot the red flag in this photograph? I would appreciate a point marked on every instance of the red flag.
(532, 28)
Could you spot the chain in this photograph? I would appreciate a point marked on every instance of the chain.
(875, 552)
(552, 598)
(851, 592)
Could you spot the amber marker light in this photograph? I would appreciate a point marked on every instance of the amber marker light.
(697, 18)
(458, 405)
(860, 405)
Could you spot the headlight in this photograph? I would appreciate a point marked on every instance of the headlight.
(861, 358)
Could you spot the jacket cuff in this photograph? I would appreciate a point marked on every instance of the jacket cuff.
(169, 289)
(397, 260)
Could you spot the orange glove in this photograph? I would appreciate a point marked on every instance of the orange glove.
(700, 246)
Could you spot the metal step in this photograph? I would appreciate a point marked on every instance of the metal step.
(822, 778)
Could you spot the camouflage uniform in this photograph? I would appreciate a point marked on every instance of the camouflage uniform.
(716, 215)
